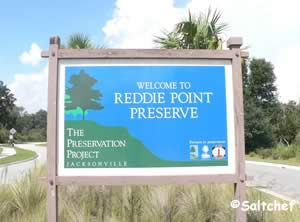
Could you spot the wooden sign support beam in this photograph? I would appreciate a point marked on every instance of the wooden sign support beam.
(234, 45)
(52, 129)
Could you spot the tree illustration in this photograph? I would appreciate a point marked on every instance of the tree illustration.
(81, 95)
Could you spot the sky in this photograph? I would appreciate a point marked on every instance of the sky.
(270, 29)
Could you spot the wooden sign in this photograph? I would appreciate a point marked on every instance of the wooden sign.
(118, 117)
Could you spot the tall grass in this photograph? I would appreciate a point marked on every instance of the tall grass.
(26, 201)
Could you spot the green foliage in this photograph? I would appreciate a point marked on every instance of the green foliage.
(280, 152)
(245, 77)
(79, 41)
(40, 119)
(252, 154)
(287, 153)
(36, 135)
(7, 101)
(284, 152)
(298, 155)
(258, 130)
(81, 94)
(202, 32)
(4, 133)
(264, 153)
(297, 138)
(31, 127)
(288, 123)
(295, 148)
(260, 104)
(262, 86)
(276, 153)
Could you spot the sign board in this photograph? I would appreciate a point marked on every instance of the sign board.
(119, 117)
(12, 131)
(146, 117)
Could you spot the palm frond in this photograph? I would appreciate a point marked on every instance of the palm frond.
(168, 40)
(201, 32)
(79, 41)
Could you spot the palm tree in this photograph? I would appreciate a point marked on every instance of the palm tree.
(79, 41)
(203, 32)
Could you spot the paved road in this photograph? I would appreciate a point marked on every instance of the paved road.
(10, 173)
(280, 180)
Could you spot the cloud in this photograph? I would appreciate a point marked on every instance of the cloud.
(32, 57)
(266, 27)
(288, 75)
(136, 22)
(30, 89)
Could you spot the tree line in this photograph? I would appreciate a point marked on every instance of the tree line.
(29, 127)
(268, 121)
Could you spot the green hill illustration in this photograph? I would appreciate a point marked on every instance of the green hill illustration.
(135, 154)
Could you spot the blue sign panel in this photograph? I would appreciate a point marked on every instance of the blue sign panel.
(145, 116)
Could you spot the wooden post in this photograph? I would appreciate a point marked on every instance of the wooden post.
(234, 44)
(51, 128)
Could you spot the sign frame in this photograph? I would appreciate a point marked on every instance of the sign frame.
(183, 64)
(56, 54)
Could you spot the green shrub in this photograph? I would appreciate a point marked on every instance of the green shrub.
(3, 135)
(284, 152)
(20, 138)
(297, 138)
(298, 155)
(275, 153)
(34, 135)
(295, 148)
(37, 135)
(287, 153)
(252, 154)
(264, 153)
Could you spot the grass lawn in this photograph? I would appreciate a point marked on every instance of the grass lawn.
(292, 162)
(21, 155)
